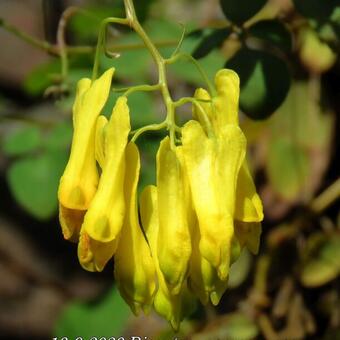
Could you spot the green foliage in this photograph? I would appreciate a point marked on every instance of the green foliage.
(85, 24)
(213, 40)
(106, 318)
(265, 81)
(316, 9)
(34, 180)
(22, 140)
(186, 71)
(231, 326)
(288, 167)
(321, 264)
(239, 11)
(274, 32)
(300, 134)
(41, 77)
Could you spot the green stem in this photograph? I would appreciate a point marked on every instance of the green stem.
(191, 59)
(101, 41)
(145, 88)
(204, 118)
(160, 62)
(327, 197)
(152, 127)
(55, 49)
(41, 44)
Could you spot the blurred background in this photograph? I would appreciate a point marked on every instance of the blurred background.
(286, 53)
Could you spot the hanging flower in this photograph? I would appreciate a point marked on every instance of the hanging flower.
(104, 218)
(79, 182)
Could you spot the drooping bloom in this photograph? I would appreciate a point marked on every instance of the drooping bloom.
(226, 203)
(174, 234)
(104, 219)
(134, 266)
(173, 307)
(213, 165)
(194, 223)
(80, 179)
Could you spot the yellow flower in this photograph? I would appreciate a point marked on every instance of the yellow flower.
(224, 193)
(104, 219)
(224, 111)
(80, 179)
(134, 267)
(174, 235)
(213, 165)
(173, 307)
(203, 278)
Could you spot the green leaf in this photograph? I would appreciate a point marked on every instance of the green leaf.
(241, 327)
(316, 9)
(142, 8)
(41, 77)
(214, 40)
(305, 128)
(239, 11)
(287, 167)
(60, 136)
(265, 81)
(322, 265)
(230, 326)
(34, 181)
(107, 318)
(141, 109)
(274, 32)
(85, 25)
(22, 140)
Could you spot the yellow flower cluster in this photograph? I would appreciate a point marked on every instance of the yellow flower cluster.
(192, 224)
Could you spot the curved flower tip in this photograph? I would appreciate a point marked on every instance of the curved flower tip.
(173, 257)
(71, 221)
(249, 235)
(94, 255)
(227, 85)
(203, 97)
(203, 279)
(104, 218)
(248, 203)
(134, 266)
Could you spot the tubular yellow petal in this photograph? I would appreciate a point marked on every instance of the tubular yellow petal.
(249, 235)
(213, 166)
(71, 221)
(94, 255)
(83, 85)
(225, 103)
(172, 307)
(248, 203)
(208, 109)
(174, 239)
(203, 277)
(80, 179)
(104, 218)
(100, 140)
(134, 267)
